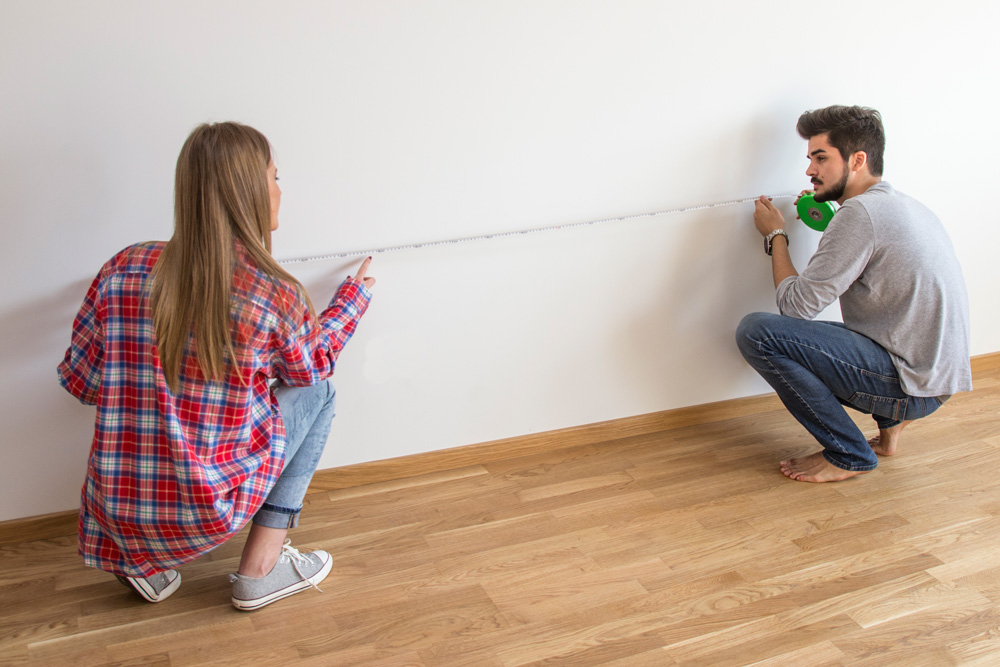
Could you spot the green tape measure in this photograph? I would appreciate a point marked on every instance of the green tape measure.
(814, 213)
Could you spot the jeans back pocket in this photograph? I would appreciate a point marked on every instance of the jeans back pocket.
(883, 406)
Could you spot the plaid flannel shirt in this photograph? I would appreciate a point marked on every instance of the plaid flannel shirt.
(172, 476)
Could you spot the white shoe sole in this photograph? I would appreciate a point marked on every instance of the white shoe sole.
(147, 592)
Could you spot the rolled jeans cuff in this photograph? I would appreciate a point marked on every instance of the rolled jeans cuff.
(839, 462)
(275, 516)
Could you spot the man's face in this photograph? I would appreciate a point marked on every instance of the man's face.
(827, 170)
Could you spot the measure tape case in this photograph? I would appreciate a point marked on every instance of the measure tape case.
(815, 214)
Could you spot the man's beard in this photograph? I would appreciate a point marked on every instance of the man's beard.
(836, 191)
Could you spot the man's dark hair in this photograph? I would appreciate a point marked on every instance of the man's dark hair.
(849, 129)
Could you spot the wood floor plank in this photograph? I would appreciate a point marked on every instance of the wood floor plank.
(537, 595)
(926, 593)
(654, 658)
(982, 647)
(403, 626)
(755, 641)
(823, 654)
(913, 637)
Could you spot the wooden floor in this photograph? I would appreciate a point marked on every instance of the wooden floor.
(684, 547)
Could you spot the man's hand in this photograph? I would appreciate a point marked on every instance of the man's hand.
(766, 218)
(362, 276)
(796, 202)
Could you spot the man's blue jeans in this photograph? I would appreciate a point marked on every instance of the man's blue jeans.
(308, 414)
(816, 368)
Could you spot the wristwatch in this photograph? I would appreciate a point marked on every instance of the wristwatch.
(770, 237)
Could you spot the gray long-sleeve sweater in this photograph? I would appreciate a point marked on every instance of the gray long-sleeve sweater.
(889, 259)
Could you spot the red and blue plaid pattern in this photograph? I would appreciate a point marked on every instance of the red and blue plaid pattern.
(172, 476)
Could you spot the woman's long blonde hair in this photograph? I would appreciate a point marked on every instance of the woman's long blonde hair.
(220, 199)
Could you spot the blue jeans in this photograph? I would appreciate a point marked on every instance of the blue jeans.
(818, 367)
(307, 413)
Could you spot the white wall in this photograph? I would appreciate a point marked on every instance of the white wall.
(408, 120)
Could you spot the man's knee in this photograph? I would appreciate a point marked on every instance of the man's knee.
(750, 330)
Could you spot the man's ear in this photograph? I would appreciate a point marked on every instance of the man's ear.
(859, 160)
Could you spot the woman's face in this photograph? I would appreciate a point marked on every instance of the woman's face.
(275, 193)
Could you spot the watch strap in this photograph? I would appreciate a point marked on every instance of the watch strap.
(770, 237)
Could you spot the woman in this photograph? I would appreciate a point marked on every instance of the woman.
(208, 367)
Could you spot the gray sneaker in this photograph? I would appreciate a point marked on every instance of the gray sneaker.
(155, 588)
(293, 573)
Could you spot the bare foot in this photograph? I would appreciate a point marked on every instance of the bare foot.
(887, 440)
(815, 468)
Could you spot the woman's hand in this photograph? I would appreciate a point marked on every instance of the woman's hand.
(362, 276)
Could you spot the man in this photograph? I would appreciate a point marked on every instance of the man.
(903, 348)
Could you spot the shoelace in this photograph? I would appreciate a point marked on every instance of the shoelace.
(291, 554)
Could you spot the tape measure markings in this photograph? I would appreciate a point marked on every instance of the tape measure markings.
(522, 232)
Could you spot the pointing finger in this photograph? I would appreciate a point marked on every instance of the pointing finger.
(363, 271)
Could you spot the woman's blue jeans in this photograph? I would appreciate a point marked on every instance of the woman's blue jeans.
(818, 367)
(307, 413)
